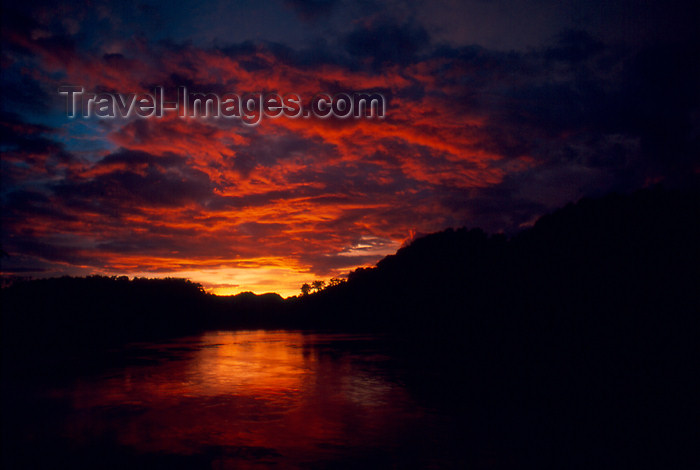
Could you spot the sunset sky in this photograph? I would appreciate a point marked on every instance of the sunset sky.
(497, 112)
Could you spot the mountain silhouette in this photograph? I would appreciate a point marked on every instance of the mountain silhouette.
(585, 324)
(575, 337)
(599, 260)
(605, 257)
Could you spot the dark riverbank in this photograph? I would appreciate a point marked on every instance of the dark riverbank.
(573, 343)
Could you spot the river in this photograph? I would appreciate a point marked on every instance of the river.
(246, 399)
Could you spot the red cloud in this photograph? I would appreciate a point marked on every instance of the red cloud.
(207, 196)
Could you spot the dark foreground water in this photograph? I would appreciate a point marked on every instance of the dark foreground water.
(228, 400)
(284, 399)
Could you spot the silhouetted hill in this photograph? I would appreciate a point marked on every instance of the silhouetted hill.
(69, 322)
(586, 324)
(602, 267)
(246, 311)
(577, 336)
(610, 254)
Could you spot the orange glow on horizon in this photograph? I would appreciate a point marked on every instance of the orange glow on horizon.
(224, 281)
(262, 209)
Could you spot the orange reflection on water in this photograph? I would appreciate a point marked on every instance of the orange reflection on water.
(251, 363)
(246, 397)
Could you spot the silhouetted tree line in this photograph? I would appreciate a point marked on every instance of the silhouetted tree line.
(577, 336)
(613, 254)
(610, 256)
(60, 321)
(608, 265)
(319, 285)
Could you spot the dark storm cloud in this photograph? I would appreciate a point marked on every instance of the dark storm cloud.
(311, 10)
(618, 117)
(660, 104)
(497, 113)
(324, 265)
(149, 242)
(574, 46)
(24, 93)
(154, 181)
(26, 138)
(257, 229)
(268, 151)
(40, 251)
(137, 159)
(22, 205)
(386, 42)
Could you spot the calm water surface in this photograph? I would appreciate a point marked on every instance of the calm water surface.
(252, 399)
